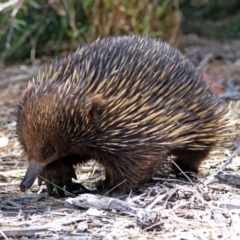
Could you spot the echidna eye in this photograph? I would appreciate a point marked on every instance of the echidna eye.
(48, 152)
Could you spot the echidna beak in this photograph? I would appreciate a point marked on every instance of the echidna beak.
(34, 169)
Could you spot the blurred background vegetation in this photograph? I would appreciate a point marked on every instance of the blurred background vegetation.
(33, 28)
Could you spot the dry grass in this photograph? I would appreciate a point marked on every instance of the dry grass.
(166, 208)
(33, 28)
(156, 18)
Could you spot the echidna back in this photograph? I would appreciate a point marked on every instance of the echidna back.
(153, 91)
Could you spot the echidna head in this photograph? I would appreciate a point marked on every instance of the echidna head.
(42, 133)
(52, 125)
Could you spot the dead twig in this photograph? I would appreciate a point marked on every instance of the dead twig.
(2, 233)
(102, 202)
(205, 61)
(230, 95)
(230, 178)
(22, 232)
(44, 179)
(229, 160)
(5, 178)
(114, 187)
(224, 165)
(184, 174)
(14, 79)
(170, 180)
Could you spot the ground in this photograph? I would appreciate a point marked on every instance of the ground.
(165, 208)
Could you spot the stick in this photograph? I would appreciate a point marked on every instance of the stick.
(224, 165)
(229, 160)
(2, 233)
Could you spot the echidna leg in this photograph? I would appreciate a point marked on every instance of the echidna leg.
(122, 178)
(188, 160)
(60, 173)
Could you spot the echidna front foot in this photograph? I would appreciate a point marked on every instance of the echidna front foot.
(188, 160)
(60, 174)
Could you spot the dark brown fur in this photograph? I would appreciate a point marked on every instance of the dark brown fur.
(183, 157)
(128, 103)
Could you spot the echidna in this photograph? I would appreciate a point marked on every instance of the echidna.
(128, 102)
